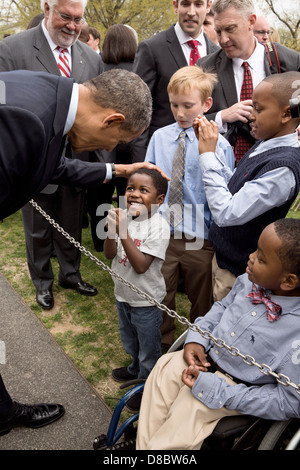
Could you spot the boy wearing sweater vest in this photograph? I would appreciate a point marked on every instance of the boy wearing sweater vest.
(264, 184)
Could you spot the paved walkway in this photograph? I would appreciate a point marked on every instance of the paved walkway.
(35, 369)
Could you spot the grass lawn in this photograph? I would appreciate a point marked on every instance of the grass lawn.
(85, 327)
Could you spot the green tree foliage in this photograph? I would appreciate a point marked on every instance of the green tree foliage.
(147, 17)
(288, 21)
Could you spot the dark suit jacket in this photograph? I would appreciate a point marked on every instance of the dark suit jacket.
(225, 94)
(32, 121)
(156, 60)
(29, 50)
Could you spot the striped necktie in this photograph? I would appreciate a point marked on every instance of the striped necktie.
(175, 200)
(63, 62)
(243, 144)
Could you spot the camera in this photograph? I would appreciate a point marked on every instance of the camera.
(295, 107)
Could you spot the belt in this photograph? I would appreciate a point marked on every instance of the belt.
(215, 367)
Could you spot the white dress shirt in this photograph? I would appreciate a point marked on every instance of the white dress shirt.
(257, 69)
(274, 188)
(183, 39)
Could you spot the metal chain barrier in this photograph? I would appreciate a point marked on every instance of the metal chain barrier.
(247, 359)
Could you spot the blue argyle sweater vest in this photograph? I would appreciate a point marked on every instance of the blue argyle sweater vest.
(233, 245)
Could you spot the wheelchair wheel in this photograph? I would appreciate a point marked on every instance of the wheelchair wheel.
(276, 436)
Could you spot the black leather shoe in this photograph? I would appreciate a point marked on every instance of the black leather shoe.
(45, 298)
(30, 416)
(82, 287)
(122, 375)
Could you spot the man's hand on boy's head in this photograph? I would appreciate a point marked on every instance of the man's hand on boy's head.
(194, 355)
(207, 132)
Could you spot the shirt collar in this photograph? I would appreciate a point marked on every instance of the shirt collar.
(189, 132)
(184, 38)
(254, 60)
(289, 140)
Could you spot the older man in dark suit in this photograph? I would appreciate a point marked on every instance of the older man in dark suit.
(234, 23)
(158, 58)
(37, 111)
(39, 49)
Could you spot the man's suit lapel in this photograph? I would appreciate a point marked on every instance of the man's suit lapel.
(78, 63)
(267, 64)
(175, 48)
(225, 70)
(43, 53)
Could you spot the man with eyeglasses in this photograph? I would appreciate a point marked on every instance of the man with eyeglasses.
(37, 49)
(262, 29)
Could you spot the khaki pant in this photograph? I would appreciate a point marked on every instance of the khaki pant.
(195, 267)
(222, 281)
(171, 418)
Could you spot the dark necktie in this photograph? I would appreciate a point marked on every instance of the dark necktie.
(175, 199)
(63, 62)
(243, 144)
(259, 296)
(194, 56)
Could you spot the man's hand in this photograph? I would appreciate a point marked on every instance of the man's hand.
(238, 112)
(126, 170)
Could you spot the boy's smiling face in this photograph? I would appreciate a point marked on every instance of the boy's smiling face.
(264, 266)
(186, 106)
(141, 194)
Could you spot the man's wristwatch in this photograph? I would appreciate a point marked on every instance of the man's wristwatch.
(113, 171)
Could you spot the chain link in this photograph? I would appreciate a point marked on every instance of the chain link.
(247, 359)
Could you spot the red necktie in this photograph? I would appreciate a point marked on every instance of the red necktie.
(243, 144)
(63, 62)
(259, 296)
(194, 56)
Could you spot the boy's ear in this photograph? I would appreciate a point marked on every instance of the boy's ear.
(208, 104)
(286, 114)
(160, 199)
(290, 282)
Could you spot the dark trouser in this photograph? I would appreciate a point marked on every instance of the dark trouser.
(65, 206)
(5, 399)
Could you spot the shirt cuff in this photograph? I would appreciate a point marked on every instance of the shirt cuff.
(108, 175)
(209, 389)
(218, 120)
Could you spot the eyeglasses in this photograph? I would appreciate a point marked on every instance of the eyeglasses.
(262, 32)
(68, 19)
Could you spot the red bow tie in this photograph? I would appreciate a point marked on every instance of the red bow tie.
(259, 295)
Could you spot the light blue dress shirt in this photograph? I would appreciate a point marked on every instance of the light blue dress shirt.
(256, 197)
(243, 325)
(161, 150)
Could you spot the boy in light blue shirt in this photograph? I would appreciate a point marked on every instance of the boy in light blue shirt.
(189, 253)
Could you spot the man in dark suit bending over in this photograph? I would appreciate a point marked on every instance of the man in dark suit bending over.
(37, 111)
(53, 47)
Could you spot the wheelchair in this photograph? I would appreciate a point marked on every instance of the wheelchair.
(242, 432)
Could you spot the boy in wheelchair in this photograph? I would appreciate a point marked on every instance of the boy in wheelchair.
(189, 391)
